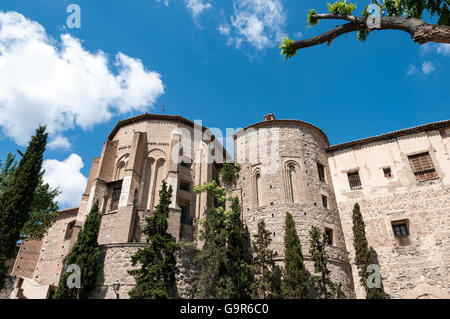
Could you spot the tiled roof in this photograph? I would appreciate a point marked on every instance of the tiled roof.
(146, 117)
(386, 136)
(287, 122)
(69, 210)
(160, 117)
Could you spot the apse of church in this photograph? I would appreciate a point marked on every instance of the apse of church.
(127, 177)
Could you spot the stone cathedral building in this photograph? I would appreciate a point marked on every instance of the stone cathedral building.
(400, 179)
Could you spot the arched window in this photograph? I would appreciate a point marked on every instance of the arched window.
(69, 230)
(145, 202)
(120, 172)
(258, 189)
(157, 180)
(291, 173)
(291, 182)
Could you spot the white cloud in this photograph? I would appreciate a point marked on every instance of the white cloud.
(224, 29)
(259, 22)
(166, 2)
(412, 70)
(59, 142)
(67, 177)
(427, 67)
(426, 48)
(62, 85)
(298, 35)
(196, 7)
(443, 48)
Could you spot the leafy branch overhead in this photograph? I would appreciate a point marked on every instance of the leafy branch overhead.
(403, 15)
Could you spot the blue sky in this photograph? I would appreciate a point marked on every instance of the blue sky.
(215, 61)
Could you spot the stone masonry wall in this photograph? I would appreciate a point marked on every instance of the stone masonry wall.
(416, 266)
(276, 146)
(427, 259)
(115, 261)
(305, 217)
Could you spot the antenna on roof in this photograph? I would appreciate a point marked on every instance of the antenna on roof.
(162, 108)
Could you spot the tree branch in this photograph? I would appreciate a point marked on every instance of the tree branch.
(420, 31)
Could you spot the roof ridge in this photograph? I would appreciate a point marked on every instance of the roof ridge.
(401, 132)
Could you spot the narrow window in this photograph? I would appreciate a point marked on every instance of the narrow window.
(292, 190)
(321, 170)
(325, 201)
(185, 186)
(115, 198)
(186, 163)
(329, 234)
(387, 172)
(422, 166)
(258, 189)
(120, 170)
(291, 183)
(185, 215)
(401, 232)
(69, 230)
(354, 180)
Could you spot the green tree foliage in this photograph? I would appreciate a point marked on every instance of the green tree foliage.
(363, 255)
(310, 19)
(266, 272)
(3, 271)
(403, 10)
(410, 8)
(228, 175)
(7, 172)
(225, 260)
(156, 275)
(286, 48)
(43, 208)
(324, 287)
(212, 257)
(239, 272)
(295, 282)
(341, 7)
(84, 253)
(416, 9)
(43, 211)
(16, 200)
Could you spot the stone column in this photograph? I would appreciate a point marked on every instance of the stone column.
(173, 161)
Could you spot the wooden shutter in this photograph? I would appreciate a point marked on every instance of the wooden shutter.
(422, 166)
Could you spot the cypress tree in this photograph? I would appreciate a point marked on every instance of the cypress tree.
(238, 274)
(15, 201)
(3, 271)
(265, 285)
(295, 282)
(225, 259)
(43, 208)
(84, 253)
(363, 255)
(212, 256)
(156, 275)
(324, 287)
(7, 172)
